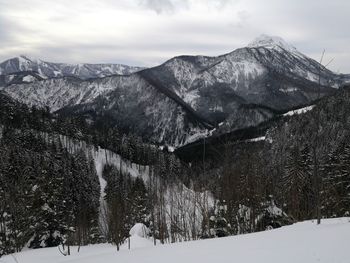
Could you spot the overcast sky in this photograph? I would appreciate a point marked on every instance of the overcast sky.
(148, 32)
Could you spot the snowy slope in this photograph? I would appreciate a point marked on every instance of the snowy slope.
(101, 158)
(303, 242)
(176, 196)
(49, 70)
(299, 111)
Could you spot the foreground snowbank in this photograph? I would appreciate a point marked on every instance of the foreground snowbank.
(303, 242)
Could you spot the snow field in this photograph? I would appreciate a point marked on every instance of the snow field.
(304, 242)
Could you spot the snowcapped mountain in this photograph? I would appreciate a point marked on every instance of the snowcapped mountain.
(244, 87)
(188, 97)
(50, 70)
(255, 74)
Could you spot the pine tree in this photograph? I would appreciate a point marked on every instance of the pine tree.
(336, 194)
(138, 198)
(219, 226)
(294, 182)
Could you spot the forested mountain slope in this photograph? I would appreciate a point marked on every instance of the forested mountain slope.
(75, 192)
(280, 163)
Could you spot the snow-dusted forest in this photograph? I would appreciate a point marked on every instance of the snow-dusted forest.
(60, 187)
(241, 157)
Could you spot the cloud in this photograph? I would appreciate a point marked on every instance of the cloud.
(159, 6)
(147, 32)
(5, 30)
(173, 6)
(219, 3)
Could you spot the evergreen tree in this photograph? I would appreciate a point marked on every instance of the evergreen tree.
(219, 226)
(336, 193)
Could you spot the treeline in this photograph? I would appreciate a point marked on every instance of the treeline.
(302, 168)
(100, 133)
(48, 196)
(309, 158)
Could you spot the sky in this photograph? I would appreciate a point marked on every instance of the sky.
(148, 32)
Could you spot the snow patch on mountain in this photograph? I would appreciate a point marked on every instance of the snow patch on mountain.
(29, 78)
(299, 111)
(257, 139)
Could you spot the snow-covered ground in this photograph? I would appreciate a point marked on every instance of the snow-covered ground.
(257, 139)
(299, 111)
(303, 242)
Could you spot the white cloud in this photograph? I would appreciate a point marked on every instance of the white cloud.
(163, 6)
(147, 32)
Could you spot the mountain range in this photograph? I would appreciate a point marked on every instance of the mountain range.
(183, 99)
(36, 69)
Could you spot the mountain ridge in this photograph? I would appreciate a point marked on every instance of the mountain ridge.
(51, 69)
(191, 95)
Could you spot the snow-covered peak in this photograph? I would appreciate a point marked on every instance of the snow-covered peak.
(22, 59)
(26, 57)
(271, 42)
(26, 62)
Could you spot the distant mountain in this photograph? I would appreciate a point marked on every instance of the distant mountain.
(189, 97)
(50, 70)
